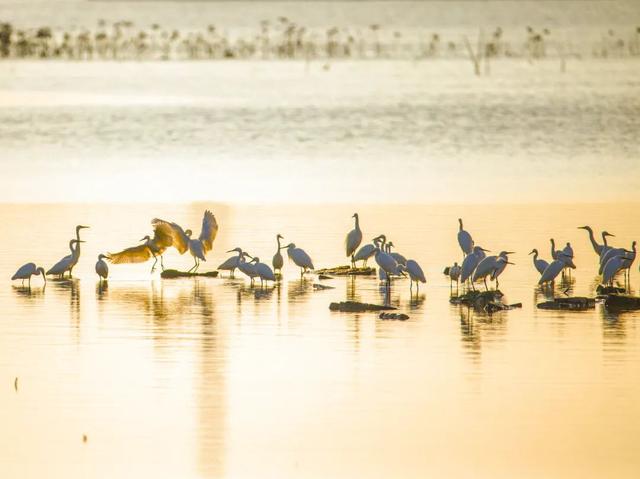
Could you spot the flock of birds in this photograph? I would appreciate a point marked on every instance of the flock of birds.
(476, 265)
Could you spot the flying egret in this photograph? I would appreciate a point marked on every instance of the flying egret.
(464, 240)
(102, 268)
(489, 265)
(278, 261)
(197, 247)
(539, 264)
(397, 256)
(300, 258)
(353, 240)
(471, 261)
(552, 271)
(366, 252)
(415, 273)
(596, 247)
(263, 271)
(67, 263)
(230, 264)
(27, 270)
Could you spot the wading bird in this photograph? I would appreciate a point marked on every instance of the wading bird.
(353, 240)
(538, 263)
(68, 262)
(470, 262)
(301, 259)
(163, 238)
(464, 240)
(612, 253)
(596, 247)
(618, 259)
(552, 271)
(278, 260)
(385, 261)
(197, 247)
(26, 271)
(562, 255)
(489, 265)
(366, 252)
(415, 273)
(247, 268)
(454, 273)
(230, 264)
(263, 271)
(102, 268)
(397, 256)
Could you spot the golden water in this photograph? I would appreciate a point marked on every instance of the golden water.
(213, 378)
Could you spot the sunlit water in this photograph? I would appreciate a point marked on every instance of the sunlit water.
(213, 378)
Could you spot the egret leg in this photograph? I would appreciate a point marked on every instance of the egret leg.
(153, 266)
(161, 263)
(497, 283)
(23, 282)
(485, 283)
(197, 265)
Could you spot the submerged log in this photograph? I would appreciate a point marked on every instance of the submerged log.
(356, 307)
(174, 273)
(576, 303)
(622, 302)
(346, 271)
(394, 316)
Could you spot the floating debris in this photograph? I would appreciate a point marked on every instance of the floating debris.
(604, 290)
(320, 287)
(394, 316)
(576, 303)
(174, 273)
(346, 271)
(356, 307)
(487, 301)
(622, 302)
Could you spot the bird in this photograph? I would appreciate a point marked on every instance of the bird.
(230, 264)
(503, 261)
(465, 240)
(415, 273)
(67, 263)
(353, 240)
(610, 253)
(596, 247)
(278, 261)
(471, 261)
(561, 255)
(454, 273)
(27, 270)
(552, 271)
(247, 268)
(397, 256)
(163, 238)
(538, 263)
(197, 247)
(263, 271)
(490, 265)
(617, 259)
(102, 268)
(385, 261)
(77, 257)
(300, 258)
(366, 252)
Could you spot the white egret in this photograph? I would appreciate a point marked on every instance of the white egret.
(464, 240)
(471, 261)
(102, 268)
(264, 272)
(77, 256)
(489, 265)
(67, 263)
(397, 256)
(611, 253)
(503, 261)
(624, 259)
(385, 261)
(366, 251)
(163, 238)
(278, 261)
(538, 263)
(353, 240)
(27, 270)
(197, 247)
(247, 268)
(301, 259)
(596, 247)
(415, 273)
(561, 255)
(552, 271)
(230, 264)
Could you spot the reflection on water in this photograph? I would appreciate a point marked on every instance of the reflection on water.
(221, 379)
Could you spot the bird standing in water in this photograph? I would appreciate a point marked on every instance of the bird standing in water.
(67, 263)
(464, 240)
(102, 268)
(26, 271)
(278, 260)
(353, 240)
(300, 257)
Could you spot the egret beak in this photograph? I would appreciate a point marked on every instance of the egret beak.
(532, 251)
(80, 241)
(83, 226)
(509, 262)
(511, 252)
(485, 250)
(143, 239)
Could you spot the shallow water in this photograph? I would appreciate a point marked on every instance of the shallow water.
(213, 378)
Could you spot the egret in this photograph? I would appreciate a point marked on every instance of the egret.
(561, 255)
(27, 270)
(353, 240)
(539, 264)
(596, 247)
(263, 271)
(385, 261)
(415, 273)
(397, 256)
(464, 240)
(278, 261)
(163, 238)
(67, 263)
(611, 253)
(366, 252)
(300, 258)
(552, 271)
(197, 247)
(503, 261)
(230, 264)
(489, 265)
(454, 274)
(623, 260)
(247, 268)
(102, 268)
(471, 261)
(77, 256)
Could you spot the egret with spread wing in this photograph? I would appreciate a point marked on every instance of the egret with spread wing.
(151, 248)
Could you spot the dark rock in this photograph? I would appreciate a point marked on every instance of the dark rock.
(577, 303)
(394, 316)
(324, 276)
(621, 302)
(346, 271)
(356, 307)
(320, 287)
(174, 273)
(604, 290)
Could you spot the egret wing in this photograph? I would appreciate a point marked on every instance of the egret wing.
(180, 240)
(209, 230)
(135, 254)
